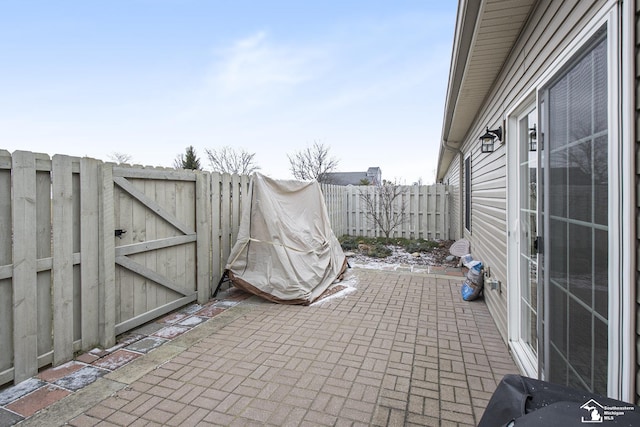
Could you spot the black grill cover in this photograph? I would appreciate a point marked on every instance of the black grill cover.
(526, 402)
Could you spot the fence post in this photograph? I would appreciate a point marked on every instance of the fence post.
(423, 214)
(89, 243)
(107, 260)
(417, 230)
(216, 247)
(445, 213)
(6, 271)
(355, 199)
(62, 258)
(203, 242)
(25, 301)
(344, 209)
(347, 209)
(225, 215)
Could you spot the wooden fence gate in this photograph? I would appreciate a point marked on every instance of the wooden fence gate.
(156, 252)
(89, 250)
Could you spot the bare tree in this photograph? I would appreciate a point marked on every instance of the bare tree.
(385, 206)
(230, 160)
(312, 163)
(120, 158)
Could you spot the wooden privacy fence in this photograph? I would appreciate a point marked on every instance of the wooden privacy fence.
(426, 211)
(89, 250)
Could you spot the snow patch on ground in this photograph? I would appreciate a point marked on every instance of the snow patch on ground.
(79, 379)
(350, 286)
(381, 265)
(19, 390)
(225, 303)
(117, 359)
(64, 365)
(400, 257)
(171, 331)
(192, 321)
(193, 308)
(147, 344)
(374, 265)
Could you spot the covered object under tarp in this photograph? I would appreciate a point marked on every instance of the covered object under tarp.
(286, 250)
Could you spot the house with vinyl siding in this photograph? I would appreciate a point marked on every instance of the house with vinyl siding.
(551, 209)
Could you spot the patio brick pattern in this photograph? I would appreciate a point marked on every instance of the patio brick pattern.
(403, 349)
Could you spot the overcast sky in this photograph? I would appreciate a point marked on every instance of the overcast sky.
(148, 78)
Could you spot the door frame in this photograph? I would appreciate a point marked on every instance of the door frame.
(527, 363)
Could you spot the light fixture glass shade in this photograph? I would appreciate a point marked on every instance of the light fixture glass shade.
(487, 141)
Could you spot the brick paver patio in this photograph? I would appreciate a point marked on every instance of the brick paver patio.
(400, 349)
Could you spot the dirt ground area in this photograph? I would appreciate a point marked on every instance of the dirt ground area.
(436, 257)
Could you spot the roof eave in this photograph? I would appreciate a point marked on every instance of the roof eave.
(475, 18)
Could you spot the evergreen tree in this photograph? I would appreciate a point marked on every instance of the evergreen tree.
(189, 160)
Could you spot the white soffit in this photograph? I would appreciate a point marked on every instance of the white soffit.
(498, 25)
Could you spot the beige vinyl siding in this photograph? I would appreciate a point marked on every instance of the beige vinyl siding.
(552, 25)
(453, 180)
(637, 135)
(488, 217)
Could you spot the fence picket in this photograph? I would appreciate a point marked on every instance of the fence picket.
(445, 209)
(106, 273)
(62, 259)
(89, 245)
(6, 270)
(226, 224)
(203, 243)
(217, 263)
(236, 189)
(43, 258)
(25, 290)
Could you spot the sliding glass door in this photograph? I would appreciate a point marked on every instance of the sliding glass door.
(577, 210)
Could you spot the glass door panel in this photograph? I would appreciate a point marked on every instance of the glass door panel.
(577, 207)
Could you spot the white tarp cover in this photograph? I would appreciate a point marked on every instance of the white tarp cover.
(286, 250)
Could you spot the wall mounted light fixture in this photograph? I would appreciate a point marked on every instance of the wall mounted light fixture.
(488, 139)
(533, 138)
